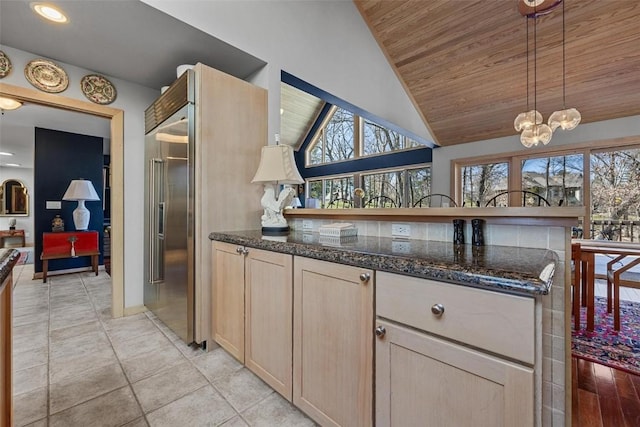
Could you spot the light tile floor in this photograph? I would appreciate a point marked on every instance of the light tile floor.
(76, 366)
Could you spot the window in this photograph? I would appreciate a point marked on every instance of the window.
(482, 182)
(347, 136)
(615, 194)
(558, 179)
(335, 141)
(331, 193)
(377, 139)
(383, 190)
(611, 194)
(419, 185)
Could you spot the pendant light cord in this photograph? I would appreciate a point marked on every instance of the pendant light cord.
(564, 73)
(535, 65)
(526, 18)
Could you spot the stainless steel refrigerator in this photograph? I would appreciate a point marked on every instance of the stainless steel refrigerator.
(169, 208)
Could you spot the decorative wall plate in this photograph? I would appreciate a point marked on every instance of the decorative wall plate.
(5, 65)
(46, 76)
(98, 89)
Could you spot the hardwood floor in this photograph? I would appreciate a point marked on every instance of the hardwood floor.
(603, 396)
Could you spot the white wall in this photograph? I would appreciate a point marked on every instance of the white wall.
(584, 133)
(25, 223)
(133, 99)
(325, 43)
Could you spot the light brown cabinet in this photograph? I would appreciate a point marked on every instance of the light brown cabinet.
(269, 319)
(253, 297)
(6, 389)
(333, 342)
(228, 298)
(433, 371)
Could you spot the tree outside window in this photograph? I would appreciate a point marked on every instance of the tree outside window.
(558, 179)
(482, 182)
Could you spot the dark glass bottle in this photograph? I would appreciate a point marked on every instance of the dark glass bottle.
(458, 231)
(477, 236)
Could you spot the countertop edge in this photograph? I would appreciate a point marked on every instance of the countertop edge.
(8, 259)
(397, 264)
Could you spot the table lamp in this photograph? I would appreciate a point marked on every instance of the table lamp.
(81, 190)
(277, 166)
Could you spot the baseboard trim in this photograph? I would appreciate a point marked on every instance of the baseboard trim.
(136, 309)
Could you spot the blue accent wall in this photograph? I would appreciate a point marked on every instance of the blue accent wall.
(59, 158)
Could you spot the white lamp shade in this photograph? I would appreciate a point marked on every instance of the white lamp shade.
(277, 164)
(80, 189)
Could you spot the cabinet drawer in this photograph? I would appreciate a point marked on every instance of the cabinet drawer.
(500, 323)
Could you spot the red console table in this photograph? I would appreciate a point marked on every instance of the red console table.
(69, 244)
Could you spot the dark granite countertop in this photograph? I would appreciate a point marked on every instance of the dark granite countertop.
(502, 268)
(8, 258)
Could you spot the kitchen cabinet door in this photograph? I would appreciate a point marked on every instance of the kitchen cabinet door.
(228, 298)
(423, 380)
(6, 387)
(268, 318)
(333, 342)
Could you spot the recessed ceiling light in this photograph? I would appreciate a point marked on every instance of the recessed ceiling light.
(5, 153)
(50, 12)
(9, 103)
(13, 164)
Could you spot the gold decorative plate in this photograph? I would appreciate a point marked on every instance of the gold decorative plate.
(5, 65)
(46, 76)
(98, 89)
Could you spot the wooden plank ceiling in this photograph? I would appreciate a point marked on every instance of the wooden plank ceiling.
(464, 62)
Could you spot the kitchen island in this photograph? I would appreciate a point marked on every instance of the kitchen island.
(473, 312)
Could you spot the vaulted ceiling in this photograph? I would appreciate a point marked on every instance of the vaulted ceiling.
(464, 62)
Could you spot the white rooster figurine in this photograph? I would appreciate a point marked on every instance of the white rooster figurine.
(272, 216)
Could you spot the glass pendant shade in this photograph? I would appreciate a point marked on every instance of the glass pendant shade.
(535, 135)
(527, 120)
(566, 119)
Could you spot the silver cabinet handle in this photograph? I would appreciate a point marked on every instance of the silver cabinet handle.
(239, 249)
(380, 331)
(245, 251)
(365, 277)
(437, 309)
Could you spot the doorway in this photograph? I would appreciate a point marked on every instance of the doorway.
(116, 116)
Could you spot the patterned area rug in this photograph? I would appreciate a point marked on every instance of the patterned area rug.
(620, 350)
(26, 256)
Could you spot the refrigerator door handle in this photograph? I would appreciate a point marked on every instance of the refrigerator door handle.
(156, 237)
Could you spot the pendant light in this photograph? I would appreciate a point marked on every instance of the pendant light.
(537, 132)
(567, 118)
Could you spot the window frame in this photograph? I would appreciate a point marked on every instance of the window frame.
(358, 142)
(358, 179)
(515, 159)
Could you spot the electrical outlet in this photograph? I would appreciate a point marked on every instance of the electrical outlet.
(400, 247)
(307, 224)
(400, 230)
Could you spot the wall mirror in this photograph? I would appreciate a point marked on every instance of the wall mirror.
(14, 200)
